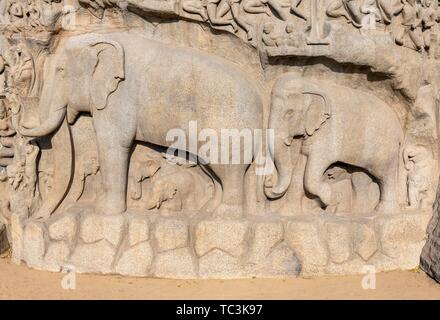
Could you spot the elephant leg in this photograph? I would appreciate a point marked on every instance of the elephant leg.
(114, 169)
(313, 182)
(232, 180)
(388, 190)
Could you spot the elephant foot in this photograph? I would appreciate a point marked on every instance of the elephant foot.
(228, 211)
(388, 207)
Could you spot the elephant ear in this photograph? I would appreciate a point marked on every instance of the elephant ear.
(108, 72)
(318, 111)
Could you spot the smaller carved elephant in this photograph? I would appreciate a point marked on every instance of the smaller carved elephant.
(336, 125)
(138, 173)
(177, 191)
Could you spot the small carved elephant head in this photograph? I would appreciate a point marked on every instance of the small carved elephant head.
(162, 191)
(139, 172)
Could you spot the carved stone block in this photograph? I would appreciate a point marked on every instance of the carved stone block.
(303, 238)
(229, 236)
(175, 263)
(171, 234)
(95, 257)
(135, 261)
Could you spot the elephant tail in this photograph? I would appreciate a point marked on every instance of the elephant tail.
(62, 150)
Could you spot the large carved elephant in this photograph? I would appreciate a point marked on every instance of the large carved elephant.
(139, 89)
(337, 125)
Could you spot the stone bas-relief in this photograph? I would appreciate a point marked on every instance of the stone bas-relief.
(344, 95)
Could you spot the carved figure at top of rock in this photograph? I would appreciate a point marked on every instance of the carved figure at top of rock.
(337, 124)
(97, 7)
(264, 6)
(411, 24)
(89, 73)
(197, 7)
(354, 10)
(421, 166)
(429, 17)
(296, 9)
(389, 9)
(269, 35)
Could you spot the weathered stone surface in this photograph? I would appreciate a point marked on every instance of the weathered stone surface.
(401, 230)
(95, 227)
(34, 244)
(353, 266)
(56, 256)
(229, 236)
(338, 241)
(405, 257)
(266, 237)
(95, 257)
(17, 235)
(138, 230)
(219, 264)
(64, 228)
(365, 242)
(280, 262)
(177, 263)
(430, 257)
(303, 238)
(136, 261)
(171, 234)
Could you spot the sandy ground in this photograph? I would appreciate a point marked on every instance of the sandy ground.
(20, 282)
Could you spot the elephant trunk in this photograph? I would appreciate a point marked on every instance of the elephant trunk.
(283, 162)
(49, 126)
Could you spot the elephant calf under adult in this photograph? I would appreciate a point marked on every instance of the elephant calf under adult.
(337, 125)
(139, 89)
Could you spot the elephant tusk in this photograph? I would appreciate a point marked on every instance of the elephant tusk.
(288, 141)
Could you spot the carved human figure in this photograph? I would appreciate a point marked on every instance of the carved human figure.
(197, 7)
(264, 6)
(217, 9)
(296, 9)
(30, 170)
(411, 22)
(290, 37)
(269, 36)
(322, 115)
(348, 9)
(89, 73)
(428, 16)
(389, 8)
(420, 165)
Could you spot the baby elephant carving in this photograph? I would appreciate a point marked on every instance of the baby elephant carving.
(139, 172)
(180, 190)
(337, 125)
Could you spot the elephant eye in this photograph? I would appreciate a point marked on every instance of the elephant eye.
(289, 114)
(60, 69)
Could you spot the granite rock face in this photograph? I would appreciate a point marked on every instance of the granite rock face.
(430, 258)
(233, 139)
